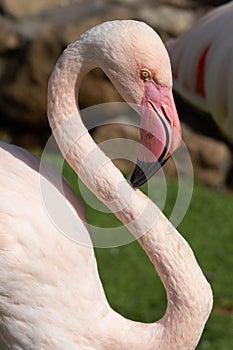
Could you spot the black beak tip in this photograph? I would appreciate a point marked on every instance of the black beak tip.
(144, 171)
(138, 177)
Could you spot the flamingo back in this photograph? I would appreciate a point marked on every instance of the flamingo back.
(202, 64)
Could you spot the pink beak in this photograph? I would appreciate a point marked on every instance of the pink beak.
(160, 131)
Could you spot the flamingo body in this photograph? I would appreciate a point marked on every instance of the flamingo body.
(202, 64)
(51, 296)
(35, 280)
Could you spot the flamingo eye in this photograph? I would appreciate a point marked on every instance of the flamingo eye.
(145, 74)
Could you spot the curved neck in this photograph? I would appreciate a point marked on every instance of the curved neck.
(188, 293)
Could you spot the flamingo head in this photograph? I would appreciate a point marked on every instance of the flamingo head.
(160, 128)
(138, 65)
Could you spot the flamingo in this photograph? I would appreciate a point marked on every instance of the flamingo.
(202, 66)
(51, 296)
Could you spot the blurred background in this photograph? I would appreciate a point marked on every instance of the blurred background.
(32, 36)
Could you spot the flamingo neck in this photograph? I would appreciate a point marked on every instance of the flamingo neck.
(189, 295)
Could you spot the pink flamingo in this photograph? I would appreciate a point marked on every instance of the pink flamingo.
(51, 296)
(202, 65)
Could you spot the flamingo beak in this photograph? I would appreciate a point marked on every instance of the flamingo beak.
(160, 131)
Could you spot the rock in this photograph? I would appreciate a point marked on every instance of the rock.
(115, 141)
(169, 20)
(18, 8)
(26, 89)
(211, 159)
(96, 88)
(9, 38)
(23, 92)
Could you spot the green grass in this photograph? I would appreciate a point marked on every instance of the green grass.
(134, 289)
(208, 227)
